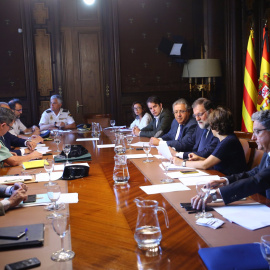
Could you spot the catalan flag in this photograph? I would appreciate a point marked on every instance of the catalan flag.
(250, 87)
(264, 80)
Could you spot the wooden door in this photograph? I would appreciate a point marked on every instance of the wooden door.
(82, 59)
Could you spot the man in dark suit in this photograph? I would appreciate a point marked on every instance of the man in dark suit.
(183, 126)
(235, 187)
(11, 141)
(161, 122)
(202, 142)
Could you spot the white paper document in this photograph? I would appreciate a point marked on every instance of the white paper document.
(105, 145)
(191, 181)
(163, 188)
(87, 139)
(138, 156)
(140, 144)
(44, 177)
(14, 178)
(174, 167)
(249, 216)
(164, 150)
(43, 199)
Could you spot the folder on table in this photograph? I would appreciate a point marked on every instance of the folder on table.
(34, 164)
(34, 236)
(243, 256)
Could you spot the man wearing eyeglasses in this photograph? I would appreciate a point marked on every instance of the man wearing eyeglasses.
(237, 186)
(160, 124)
(7, 118)
(182, 127)
(18, 127)
(202, 142)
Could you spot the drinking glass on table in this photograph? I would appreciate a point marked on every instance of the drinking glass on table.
(48, 166)
(265, 248)
(61, 226)
(54, 193)
(66, 150)
(166, 164)
(57, 140)
(112, 122)
(129, 139)
(203, 190)
(147, 149)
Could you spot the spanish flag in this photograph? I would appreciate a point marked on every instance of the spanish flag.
(264, 80)
(250, 87)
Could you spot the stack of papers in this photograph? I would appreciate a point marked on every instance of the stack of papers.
(213, 223)
(251, 216)
(8, 179)
(87, 139)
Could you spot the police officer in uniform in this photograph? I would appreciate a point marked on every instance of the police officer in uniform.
(56, 117)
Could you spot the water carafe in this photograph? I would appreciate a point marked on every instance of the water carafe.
(148, 233)
(120, 146)
(120, 171)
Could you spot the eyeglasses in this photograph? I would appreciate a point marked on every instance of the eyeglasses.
(199, 114)
(136, 109)
(257, 132)
(10, 127)
(181, 112)
(18, 110)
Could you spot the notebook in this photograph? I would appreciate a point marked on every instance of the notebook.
(240, 257)
(34, 164)
(34, 236)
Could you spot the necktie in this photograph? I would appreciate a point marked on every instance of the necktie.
(202, 141)
(180, 133)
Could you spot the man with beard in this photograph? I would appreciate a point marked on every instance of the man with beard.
(202, 142)
(18, 127)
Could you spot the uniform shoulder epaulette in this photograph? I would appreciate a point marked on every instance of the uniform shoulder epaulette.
(65, 110)
(48, 111)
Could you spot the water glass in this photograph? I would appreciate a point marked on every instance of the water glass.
(57, 140)
(48, 166)
(203, 190)
(147, 149)
(66, 150)
(61, 226)
(112, 122)
(166, 166)
(265, 248)
(129, 141)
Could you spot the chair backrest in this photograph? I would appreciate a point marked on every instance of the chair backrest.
(102, 119)
(246, 148)
(243, 135)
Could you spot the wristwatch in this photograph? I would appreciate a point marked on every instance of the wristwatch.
(214, 196)
(184, 163)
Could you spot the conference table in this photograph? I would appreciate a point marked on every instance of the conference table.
(102, 223)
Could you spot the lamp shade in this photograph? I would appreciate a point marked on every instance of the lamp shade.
(200, 68)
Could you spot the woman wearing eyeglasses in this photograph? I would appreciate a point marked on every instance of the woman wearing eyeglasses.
(228, 156)
(142, 118)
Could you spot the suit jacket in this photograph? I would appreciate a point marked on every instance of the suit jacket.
(245, 184)
(164, 123)
(11, 141)
(2, 193)
(194, 141)
(181, 143)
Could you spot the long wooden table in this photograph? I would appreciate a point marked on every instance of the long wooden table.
(103, 222)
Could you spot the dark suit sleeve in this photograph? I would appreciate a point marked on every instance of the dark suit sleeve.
(207, 151)
(184, 143)
(246, 186)
(164, 124)
(172, 132)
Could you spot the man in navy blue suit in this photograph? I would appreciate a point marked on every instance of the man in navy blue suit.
(202, 141)
(182, 127)
(237, 186)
